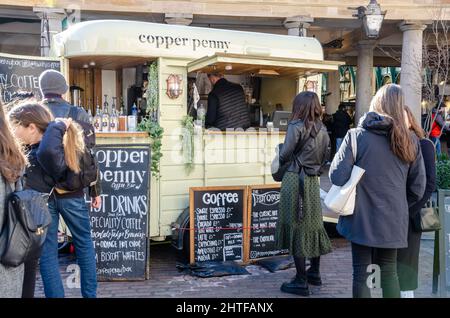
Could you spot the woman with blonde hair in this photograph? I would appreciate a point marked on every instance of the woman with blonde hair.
(408, 258)
(53, 147)
(394, 176)
(12, 164)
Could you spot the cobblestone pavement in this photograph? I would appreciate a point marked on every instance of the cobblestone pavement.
(166, 281)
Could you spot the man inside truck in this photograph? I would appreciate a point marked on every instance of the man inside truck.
(226, 104)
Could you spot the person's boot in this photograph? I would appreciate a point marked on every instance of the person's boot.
(313, 273)
(314, 278)
(296, 286)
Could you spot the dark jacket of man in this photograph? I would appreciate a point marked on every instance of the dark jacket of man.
(381, 217)
(314, 147)
(341, 123)
(61, 108)
(227, 107)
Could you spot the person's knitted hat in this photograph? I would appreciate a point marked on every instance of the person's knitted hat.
(52, 82)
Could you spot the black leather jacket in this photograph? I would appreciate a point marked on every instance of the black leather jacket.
(314, 153)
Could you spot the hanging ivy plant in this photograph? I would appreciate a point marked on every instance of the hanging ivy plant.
(188, 142)
(152, 89)
(155, 131)
(150, 123)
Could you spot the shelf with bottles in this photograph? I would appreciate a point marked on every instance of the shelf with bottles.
(110, 120)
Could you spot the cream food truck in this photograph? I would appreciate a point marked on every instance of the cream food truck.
(112, 59)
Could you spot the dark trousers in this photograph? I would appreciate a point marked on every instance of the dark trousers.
(386, 259)
(408, 261)
(29, 279)
(300, 266)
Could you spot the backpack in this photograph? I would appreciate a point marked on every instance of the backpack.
(88, 162)
(26, 223)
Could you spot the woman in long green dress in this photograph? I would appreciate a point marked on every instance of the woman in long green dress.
(300, 227)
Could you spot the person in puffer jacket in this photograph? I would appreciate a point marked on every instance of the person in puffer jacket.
(53, 147)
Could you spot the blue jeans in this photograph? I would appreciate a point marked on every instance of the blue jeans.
(76, 216)
(338, 143)
(437, 142)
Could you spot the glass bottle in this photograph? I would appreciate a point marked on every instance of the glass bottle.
(201, 114)
(132, 119)
(90, 112)
(113, 121)
(113, 105)
(105, 115)
(122, 117)
(97, 118)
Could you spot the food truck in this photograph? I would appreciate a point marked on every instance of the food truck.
(112, 59)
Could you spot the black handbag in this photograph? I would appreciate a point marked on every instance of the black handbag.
(427, 220)
(26, 222)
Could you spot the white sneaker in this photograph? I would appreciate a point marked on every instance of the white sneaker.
(407, 294)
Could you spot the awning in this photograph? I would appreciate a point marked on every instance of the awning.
(237, 64)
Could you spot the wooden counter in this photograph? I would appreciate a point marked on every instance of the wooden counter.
(251, 132)
(122, 134)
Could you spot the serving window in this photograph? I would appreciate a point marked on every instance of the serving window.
(117, 80)
(270, 84)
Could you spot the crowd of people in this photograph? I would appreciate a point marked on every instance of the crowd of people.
(399, 179)
(42, 143)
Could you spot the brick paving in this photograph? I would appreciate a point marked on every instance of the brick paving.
(166, 281)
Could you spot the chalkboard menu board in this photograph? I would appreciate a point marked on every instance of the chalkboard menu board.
(217, 219)
(263, 203)
(21, 73)
(444, 240)
(120, 226)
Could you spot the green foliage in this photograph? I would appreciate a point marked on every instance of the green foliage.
(152, 89)
(188, 142)
(443, 157)
(150, 123)
(155, 131)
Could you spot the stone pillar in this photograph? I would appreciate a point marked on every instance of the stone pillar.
(364, 72)
(411, 67)
(178, 18)
(51, 24)
(298, 25)
(333, 87)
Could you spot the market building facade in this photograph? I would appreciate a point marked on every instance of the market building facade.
(27, 28)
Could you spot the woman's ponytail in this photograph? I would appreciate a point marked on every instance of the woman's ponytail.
(73, 142)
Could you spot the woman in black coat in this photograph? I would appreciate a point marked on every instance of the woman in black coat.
(408, 258)
(49, 154)
(394, 176)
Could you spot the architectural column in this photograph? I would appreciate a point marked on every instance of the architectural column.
(334, 87)
(178, 18)
(411, 67)
(364, 72)
(51, 24)
(298, 25)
